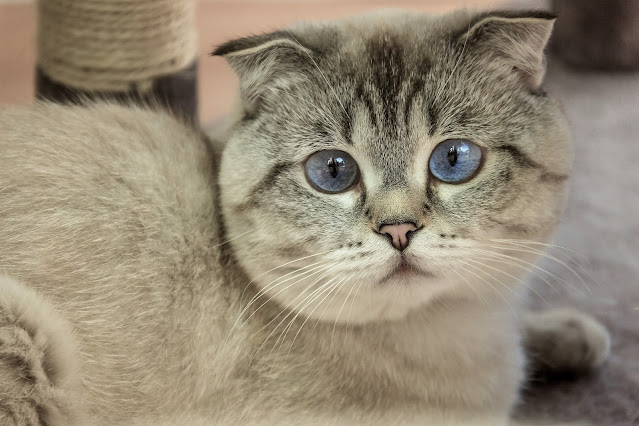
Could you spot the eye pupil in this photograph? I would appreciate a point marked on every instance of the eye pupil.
(452, 156)
(332, 165)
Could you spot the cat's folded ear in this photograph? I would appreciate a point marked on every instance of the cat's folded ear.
(259, 61)
(518, 38)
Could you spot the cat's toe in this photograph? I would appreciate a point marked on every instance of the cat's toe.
(565, 340)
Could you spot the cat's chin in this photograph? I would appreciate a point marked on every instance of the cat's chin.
(392, 298)
(407, 273)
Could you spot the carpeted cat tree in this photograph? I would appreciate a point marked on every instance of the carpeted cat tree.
(140, 50)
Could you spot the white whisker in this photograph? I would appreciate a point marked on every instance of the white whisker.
(333, 287)
(488, 252)
(281, 266)
(343, 304)
(308, 273)
(232, 239)
(528, 270)
(505, 273)
(350, 310)
(561, 249)
(548, 256)
(291, 311)
(313, 297)
(486, 281)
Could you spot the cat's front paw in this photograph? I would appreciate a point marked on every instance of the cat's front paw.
(38, 383)
(565, 340)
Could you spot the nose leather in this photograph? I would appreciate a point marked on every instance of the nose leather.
(398, 234)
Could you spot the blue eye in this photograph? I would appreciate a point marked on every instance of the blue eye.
(331, 171)
(455, 160)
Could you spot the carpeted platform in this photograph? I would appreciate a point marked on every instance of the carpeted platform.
(601, 224)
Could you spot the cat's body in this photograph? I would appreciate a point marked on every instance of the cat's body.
(115, 219)
(152, 303)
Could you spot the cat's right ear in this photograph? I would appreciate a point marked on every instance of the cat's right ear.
(515, 39)
(259, 61)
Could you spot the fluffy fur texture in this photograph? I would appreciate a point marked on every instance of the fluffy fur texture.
(167, 272)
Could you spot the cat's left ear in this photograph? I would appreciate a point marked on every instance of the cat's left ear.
(259, 61)
(518, 38)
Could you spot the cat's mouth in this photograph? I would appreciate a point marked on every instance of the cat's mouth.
(406, 269)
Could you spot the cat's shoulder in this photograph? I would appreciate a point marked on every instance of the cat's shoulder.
(107, 158)
(98, 126)
(102, 142)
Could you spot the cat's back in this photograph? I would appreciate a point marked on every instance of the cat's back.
(109, 213)
(103, 181)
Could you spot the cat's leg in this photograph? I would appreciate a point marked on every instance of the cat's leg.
(564, 340)
(38, 377)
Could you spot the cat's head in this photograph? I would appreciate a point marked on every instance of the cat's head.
(383, 161)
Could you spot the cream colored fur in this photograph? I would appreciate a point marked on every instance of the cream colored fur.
(128, 272)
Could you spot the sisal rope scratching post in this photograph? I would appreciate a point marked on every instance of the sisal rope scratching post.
(130, 50)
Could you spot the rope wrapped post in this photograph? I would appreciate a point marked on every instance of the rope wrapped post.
(129, 50)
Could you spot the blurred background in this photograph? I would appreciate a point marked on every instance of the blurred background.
(217, 21)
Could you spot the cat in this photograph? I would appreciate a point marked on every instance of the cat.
(355, 254)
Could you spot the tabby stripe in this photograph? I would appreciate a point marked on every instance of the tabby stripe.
(268, 180)
(519, 157)
(525, 161)
(416, 87)
(252, 200)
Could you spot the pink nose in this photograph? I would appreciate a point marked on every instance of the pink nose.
(399, 234)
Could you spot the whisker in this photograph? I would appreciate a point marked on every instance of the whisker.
(350, 310)
(282, 265)
(451, 267)
(548, 256)
(291, 311)
(343, 304)
(232, 239)
(296, 273)
(343, 283)
(487, 282)
(314, 296)
(528, 270)
(507, 274)
(532, 265)
(333, 287)
(561, 249)
(316, 270)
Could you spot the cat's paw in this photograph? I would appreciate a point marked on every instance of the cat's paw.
(38, 381)
(565, 340)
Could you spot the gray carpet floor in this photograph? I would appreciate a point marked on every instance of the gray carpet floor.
(601, 225)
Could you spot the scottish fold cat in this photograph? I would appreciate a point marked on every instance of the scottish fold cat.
(356, 255)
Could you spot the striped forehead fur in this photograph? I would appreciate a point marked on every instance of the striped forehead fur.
(387, 87)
